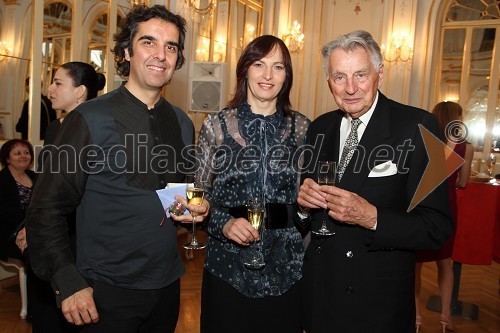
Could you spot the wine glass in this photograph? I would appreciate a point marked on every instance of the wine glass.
(492, 160)
(252, 256)
(326, 176)
(194, 196)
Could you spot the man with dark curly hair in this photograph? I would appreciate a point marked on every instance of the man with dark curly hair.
(110, 157)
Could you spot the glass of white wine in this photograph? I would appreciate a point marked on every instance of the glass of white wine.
(194, 196)
(326, 176)
(492, 160)
(252, 256)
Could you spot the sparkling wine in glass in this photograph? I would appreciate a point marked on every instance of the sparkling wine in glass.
(252, 256)
(326, 176)
(492, 160)
(194, 196)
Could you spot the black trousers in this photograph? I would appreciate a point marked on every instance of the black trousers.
(225, 310)
(135, 311)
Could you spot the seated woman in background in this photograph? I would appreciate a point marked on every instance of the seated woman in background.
(448, 114)
(16, 182)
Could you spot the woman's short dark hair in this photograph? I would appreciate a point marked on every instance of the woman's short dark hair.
(9, 145)
(129, 28)
(255, 51)
(84, 74)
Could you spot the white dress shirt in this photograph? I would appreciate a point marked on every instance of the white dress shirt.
(345, 125)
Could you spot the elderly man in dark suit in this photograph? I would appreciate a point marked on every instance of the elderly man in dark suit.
(361, 278)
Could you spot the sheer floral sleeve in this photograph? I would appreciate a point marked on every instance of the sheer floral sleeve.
(209, 139)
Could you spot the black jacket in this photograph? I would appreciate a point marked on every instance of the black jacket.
(359, 273)
(47, 115)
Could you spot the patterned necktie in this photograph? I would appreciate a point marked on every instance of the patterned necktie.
(350, 145)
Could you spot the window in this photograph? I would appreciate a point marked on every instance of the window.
(211, 26)
(469, 68)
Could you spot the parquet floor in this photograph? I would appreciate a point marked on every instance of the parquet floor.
(479, 285)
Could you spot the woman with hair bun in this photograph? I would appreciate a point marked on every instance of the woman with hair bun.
(74, 83)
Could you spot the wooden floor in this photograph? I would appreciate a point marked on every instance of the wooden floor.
(479, 285)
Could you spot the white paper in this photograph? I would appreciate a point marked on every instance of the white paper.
(167, 195)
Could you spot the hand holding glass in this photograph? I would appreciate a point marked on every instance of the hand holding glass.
(326, 176)
(252, 256)
(194, 196)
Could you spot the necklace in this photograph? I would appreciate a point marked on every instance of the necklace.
(23, 179)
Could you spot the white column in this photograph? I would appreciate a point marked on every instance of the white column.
(77, 32)
(35, 70)
(110, 62)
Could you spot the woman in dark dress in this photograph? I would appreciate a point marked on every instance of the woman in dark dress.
(258, 120)
(448, 114)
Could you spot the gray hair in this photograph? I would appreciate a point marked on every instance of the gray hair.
(350, 42)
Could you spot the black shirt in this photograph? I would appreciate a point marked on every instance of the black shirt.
(109, 157)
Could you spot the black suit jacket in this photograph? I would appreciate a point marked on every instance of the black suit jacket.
(47, 115)
(361, 280)
(11, 213)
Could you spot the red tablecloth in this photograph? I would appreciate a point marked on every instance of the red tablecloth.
(477, 239)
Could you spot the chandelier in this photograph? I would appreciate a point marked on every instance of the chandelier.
(4, 50)
(294, 38)
(195, 9)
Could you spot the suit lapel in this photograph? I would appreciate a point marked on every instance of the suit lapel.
(330, 148)
(377, 132)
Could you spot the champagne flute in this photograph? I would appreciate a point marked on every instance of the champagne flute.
(252, 256)
(326, 176)
(492, 160)
(194, 196)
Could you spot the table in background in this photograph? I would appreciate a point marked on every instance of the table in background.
(477, 238)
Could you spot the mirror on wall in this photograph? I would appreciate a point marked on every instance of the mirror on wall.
(56, 46)
(451, 64)
(97, 42)
(476, 99)
(248, 21)
(97, 37)
(204, 37)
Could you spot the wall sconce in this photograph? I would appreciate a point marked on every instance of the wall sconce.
(294, 38)
(249, 34)
(219, 50)
(202, 52)
(399, 49)
(4, 50)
